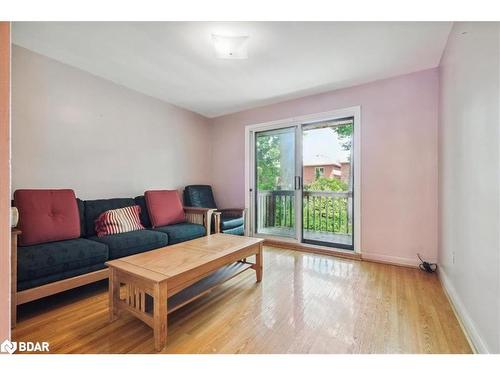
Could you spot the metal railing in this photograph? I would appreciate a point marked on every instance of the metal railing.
(323, 211)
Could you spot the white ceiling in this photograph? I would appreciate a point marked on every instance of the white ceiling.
(175, 61)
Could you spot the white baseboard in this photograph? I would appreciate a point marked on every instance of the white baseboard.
(463, 316)
(399, 261)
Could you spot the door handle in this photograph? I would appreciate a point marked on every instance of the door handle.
(297, 183)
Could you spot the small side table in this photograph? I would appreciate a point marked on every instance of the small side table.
(13, 275)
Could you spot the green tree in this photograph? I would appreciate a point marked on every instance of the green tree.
(268, 162)
(344, 133)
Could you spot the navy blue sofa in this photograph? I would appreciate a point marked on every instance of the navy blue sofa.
(48, 268)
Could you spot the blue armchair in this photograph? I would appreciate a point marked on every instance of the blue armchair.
(229, 220)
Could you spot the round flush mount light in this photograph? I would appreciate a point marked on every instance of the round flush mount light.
(230, 47)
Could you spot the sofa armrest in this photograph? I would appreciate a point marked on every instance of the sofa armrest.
(199, 215)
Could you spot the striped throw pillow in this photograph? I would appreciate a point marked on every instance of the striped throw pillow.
(117, 221)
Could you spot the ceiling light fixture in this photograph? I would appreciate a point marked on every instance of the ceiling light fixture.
(230, 47)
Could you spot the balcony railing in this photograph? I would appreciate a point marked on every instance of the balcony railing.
(323, 211)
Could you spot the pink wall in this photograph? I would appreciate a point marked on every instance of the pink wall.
(4, 181)
(399, 159)
(53, 125)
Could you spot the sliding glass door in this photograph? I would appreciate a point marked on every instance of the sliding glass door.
(275, 180)
(303, 183)
(328, 183)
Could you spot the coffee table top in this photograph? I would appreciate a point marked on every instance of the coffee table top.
(171, 261)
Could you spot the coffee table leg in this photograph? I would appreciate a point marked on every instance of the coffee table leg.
(114, 294)
(160, 315)
(258, 263)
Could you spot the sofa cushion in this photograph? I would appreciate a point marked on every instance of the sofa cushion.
(141, 202)
(32, 283)
(229, 222)
(125, 244)
(182, 232)
(164, 207)
(199, 196)
(120, 220)
(46, 259)
(47, 215)
(93, 208)
(239, 231)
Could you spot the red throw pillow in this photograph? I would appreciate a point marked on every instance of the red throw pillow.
(164, 207)
(47, 215)
(120, 220)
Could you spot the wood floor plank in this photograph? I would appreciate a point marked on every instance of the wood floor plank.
(306, 303)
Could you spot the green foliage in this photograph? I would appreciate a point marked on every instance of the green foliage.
(344, 133)
(326, 214)
(268, 162)
(320, 213)
(327, 184)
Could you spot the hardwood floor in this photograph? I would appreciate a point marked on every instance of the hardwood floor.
(306, 303)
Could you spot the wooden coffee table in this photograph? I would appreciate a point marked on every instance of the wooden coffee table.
(152, 284)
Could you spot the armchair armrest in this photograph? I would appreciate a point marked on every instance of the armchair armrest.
(197, 209)
(237, 212)
(233, 211)
(200, 215)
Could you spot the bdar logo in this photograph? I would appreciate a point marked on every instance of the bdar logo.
(24, 346)
(8, 347)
